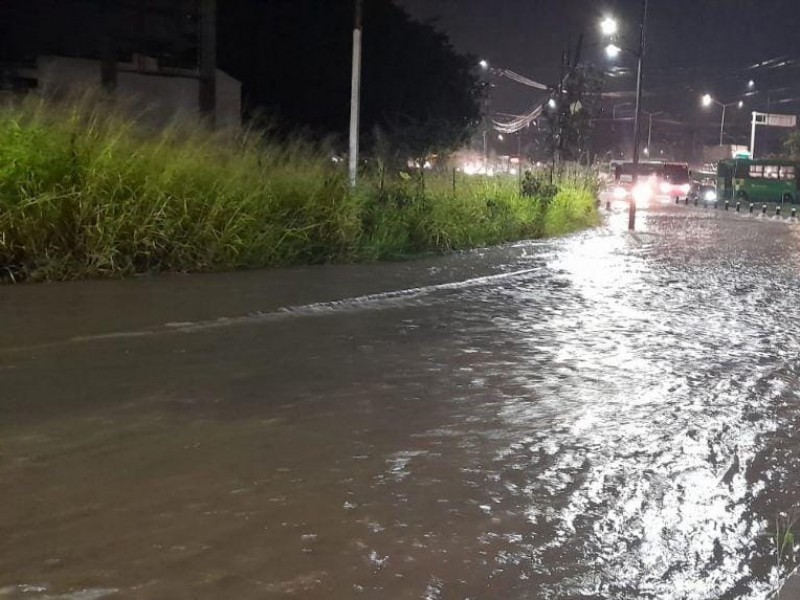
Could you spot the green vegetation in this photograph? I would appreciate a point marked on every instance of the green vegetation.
(85, 191)
(784, 542)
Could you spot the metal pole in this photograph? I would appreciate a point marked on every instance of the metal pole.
(519, 160)
(650, 134)
(355, 93)
(637, 116)
(753, 136)
(108, 65)
(208, 61)
(485, 149)
(722, 125)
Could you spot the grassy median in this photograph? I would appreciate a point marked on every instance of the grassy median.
(87, 192)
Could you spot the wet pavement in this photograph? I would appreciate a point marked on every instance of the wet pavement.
(605, 416)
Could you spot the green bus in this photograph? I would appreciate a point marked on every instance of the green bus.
(759, 180)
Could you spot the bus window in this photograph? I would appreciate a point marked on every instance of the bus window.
(756, 171)
(787, 173)
(771, 171)
(676, 173)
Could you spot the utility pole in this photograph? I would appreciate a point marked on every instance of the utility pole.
(208, 60)
(650, 131)
(355, 92)
(637, 116)
(108, 47)
(519, 160)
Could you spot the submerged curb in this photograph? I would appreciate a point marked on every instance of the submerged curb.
(786, 212)
(789, 589)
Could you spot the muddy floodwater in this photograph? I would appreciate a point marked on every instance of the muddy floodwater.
(604, 416)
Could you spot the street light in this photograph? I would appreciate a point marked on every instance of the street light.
(613, 51)
(552, 103)
(708, 100)
(484, 64)
(751, 84)
(609, 26)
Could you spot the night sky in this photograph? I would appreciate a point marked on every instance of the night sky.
(694, 46)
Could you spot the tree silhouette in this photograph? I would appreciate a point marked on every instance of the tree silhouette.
(293, 56)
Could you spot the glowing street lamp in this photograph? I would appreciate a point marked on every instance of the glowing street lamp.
(484, 64)
(751, 84)
(609, 26)
(707, 100)
(552, 103)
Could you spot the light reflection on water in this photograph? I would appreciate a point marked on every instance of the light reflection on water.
(612, 422)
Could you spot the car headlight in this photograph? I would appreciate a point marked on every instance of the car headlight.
(710, 195)
(642, 193)
(665, 188)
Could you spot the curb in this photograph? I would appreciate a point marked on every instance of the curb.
(790, 588)
(788, 212)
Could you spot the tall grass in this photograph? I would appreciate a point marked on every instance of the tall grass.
(85, 191)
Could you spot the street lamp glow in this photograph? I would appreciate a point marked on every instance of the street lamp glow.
(613, 51)
(551, 103)
(484, 64)
(647, 151)
(500, 137)
(707, 100)
(741, 104)
(751, 84)
(609, 26)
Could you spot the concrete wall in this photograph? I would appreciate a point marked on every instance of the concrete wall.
(161, 94)
(229, 101)
(57, 75)
(160, 98)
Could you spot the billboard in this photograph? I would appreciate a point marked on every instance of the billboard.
(774, 120)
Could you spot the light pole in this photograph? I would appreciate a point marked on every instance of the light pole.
(650, 129)
(355, 93)
(613, 51)
(708, 100)
(484, 65)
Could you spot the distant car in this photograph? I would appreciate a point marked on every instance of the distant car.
(703, 191)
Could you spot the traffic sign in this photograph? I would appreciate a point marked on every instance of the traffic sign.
(774, 120)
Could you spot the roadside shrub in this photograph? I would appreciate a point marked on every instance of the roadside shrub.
(85, 191)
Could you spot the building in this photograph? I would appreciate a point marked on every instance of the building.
(159, 54)
(159, 93)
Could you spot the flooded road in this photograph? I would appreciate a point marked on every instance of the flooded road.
(604, 416)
